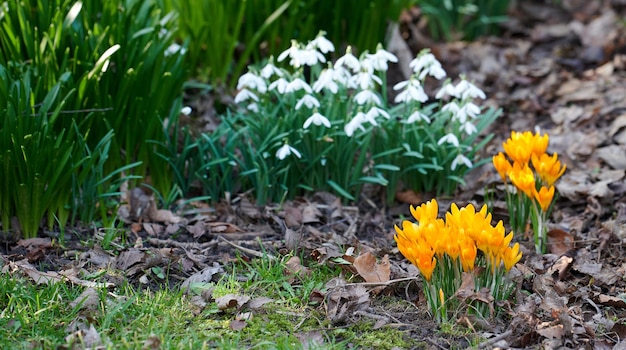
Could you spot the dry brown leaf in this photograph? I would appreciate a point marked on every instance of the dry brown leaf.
(203, 276)
(51, 276)
(295, 267)
(229, 301)
(550, 331)
(343, 300)
(88, 299)
(560, 267)
(611, 301)
(370, 270)
(311, 214)
(409, 197)
(559, 241)
(311, 339)
(87, 337)
(258, 303)
(237, 325)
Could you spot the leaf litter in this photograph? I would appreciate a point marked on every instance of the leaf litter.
(558, 67)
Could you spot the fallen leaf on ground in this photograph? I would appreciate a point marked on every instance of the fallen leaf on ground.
(229, 301)
(370, 270)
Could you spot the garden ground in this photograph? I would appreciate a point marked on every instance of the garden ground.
(323, 274)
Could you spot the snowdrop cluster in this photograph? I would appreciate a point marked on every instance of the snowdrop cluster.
(347, 98)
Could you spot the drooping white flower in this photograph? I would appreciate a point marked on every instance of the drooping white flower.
(367, 96)
(447, 89)
(365, 79)
(309, 101)
(254, 107)
(453, 108)
(174, 49)
(316, 119)
(375, 112)
(286, 150)
(294, 52)
(380, 59)
(253, 81)
(244, 95)
(426, 64)
(471, 110)
(310, 55)
(416, 117)
(349, 61)
(270, 69)
(413, 91)
(468, 127)
(460, 159)
(186, 110)
(321, 43)
(355, 123)
(298, 84)
(465, 89)
(449, 138)
(326, 80)
(366, 118)
(279, 85)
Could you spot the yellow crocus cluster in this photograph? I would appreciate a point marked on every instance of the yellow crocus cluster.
(524, 149)
(460, 236)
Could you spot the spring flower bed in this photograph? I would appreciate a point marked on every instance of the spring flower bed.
(463, 247)
(532, 174)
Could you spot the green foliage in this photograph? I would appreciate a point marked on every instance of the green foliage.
(117, 54)
(463, 19)
(32, 184)
(225, 36)
(332, 129)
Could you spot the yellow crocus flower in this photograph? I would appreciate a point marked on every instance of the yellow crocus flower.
(548, 167)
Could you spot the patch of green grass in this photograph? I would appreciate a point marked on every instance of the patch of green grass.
(41, 316)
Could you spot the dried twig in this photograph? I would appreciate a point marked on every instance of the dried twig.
(247, 250)
(489, 342)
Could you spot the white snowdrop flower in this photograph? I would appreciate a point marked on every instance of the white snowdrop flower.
(449, 138)
(348, 60)
(453, 108)
(186, 110)
(174, 49)
(416, 117)
(460, 159)
(326, 81)
(279, 85)
(244, 95)
(310, 55)
(355, 123)
(468, 127)
(435, 71)
(298, 84)
(292, 52)
(380, 59)
(270, 69)
(286, 150)
(254, 107)
(309, 101)
(447, 89)
(316, 119)
(253, 81)
(365, 80)
(413, 91)
(323, 44)
(342, 76)
(367, 96)
(465, 89)
(426, 64)
(423, 60)
(470, 109)
(375, 112)
(366, 118)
